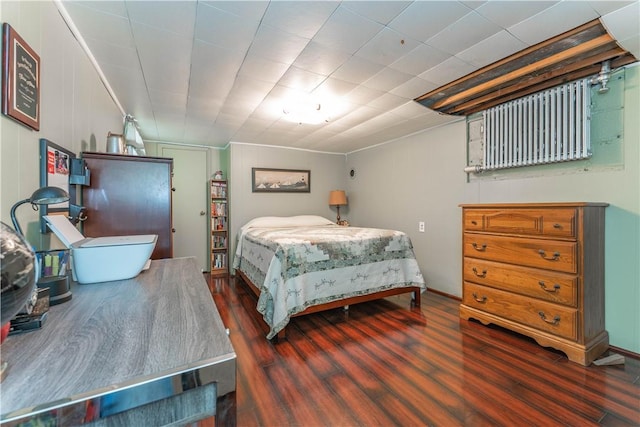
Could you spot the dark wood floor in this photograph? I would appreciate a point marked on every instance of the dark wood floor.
(386, 364)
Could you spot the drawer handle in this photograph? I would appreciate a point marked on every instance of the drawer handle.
(481, 275)
(543, 254)
(480, 248)
(556, 287)
(474, 222)
(555, 320)
(556, 225)
(475, 297)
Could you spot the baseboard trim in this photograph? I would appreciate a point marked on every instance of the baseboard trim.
(444, 294)
(625, 353)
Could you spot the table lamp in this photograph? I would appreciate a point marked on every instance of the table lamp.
(337, 198)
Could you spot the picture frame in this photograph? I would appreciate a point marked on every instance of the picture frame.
(55, 171)
(20, 79)
(268, 180)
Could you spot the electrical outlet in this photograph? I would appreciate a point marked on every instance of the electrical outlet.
(421, 226)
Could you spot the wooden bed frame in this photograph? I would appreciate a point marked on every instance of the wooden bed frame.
(416, 301)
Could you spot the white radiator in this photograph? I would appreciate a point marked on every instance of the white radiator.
(546, 127)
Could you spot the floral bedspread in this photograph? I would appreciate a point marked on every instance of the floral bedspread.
(298, 267)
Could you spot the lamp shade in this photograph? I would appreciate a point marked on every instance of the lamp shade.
(49, 195)
(337, 198)
(42, 196)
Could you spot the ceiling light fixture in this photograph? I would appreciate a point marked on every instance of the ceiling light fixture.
(310, 113)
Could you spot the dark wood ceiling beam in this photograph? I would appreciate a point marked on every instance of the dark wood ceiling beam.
(572, 55)
(591, 29)
(569, 72)
(527, 70)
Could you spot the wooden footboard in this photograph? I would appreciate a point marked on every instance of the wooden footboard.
(416, 299)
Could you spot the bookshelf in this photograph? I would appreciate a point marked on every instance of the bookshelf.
(219, 227)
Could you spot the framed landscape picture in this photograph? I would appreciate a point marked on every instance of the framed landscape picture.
(265, 180)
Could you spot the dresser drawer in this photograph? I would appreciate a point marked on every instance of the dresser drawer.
(560, 288)
(559, 223)
(545, 316)
(548, 254)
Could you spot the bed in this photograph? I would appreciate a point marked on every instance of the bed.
(306, 263)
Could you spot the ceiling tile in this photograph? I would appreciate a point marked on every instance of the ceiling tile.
(213, 70)
(386, 47)
(363, 95)
(251, 11)
(410, 110)
(299, 79)
(492, 49)
(117, 55)
(112, 7)
(413, 88)
(624, 23)
(387, 101)
(424, 19)
(387, 79)
(204, 108)
(473, 4)
(419, 60)
(379, 11)
(224, 29)
(158, 72)
(248, 93)
(346, 31)
(277, 45)
(333, 87)
(161, 98)
(320, 59)
(447, 71)
(94, 24)
(508, 13)
(552, 21)
(463, 33)
(602, 7)
(263, 69)
(357, 70)
(302, 18)
(174, 16)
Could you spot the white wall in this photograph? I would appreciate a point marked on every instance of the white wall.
(420, 178)
(76, 110)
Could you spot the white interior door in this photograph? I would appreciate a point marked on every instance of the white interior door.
(190, 202)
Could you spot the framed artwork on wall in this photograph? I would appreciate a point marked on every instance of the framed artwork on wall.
(265, 180)
(20, 79)
(55, 168)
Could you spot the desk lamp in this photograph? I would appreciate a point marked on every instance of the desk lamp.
(337, 198)
(42, 196)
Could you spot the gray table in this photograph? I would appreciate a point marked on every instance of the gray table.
(146, 351)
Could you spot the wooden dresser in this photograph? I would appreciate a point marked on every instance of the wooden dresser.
(538, 269)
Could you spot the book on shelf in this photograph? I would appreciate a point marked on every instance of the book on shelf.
(219, 223)
(220, 261)
(219, 209)
(219, 190)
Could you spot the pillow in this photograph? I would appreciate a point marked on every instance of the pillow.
(286, 221)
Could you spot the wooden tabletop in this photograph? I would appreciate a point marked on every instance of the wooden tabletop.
(117, 334)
